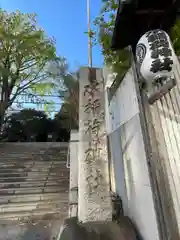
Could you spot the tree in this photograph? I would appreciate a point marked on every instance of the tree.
(62, 127)
(27, 123)
(68, 116)
(33, 125)
(26, 58)
(65, 118)
(120, 60)
(13, 131)
(70, 95)
(175, 36)
(67, 88)
(70, 107)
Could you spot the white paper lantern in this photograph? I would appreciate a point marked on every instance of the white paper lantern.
(155, 56)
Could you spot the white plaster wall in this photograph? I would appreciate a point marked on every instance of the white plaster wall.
(140, 206)
(129, 159)
(118, 183)
(123, 105)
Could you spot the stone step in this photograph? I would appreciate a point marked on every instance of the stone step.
(45, 158)
(61, 207)
(32, 163)
(27, 186)
(56, 200)
(35, 190)
(33, 197)
(18, 187)
(37, 214)
(32, 151)
(38, 178)
(34, 174)
(34, 169)
(36, 182)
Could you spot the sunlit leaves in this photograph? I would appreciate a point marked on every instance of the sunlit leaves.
(175, 36)
(27, 123)
(119, 60)
(42, 88)
(27, 57)
(69, 93)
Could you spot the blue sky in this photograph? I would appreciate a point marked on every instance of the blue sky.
(66, 20)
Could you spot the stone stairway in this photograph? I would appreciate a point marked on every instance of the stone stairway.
(34, 184)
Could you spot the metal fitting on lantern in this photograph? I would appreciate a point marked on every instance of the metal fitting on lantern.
(156, 61)
(161, 86)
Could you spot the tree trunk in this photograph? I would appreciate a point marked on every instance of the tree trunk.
(2, 114)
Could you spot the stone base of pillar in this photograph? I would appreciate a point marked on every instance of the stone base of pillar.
(74, 230)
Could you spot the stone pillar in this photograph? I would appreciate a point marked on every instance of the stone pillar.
(94, 184)
(73, 185)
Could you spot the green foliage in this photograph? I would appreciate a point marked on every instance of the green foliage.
(65, 117)
(33, 125)
(68, 90)
(70, 95)
(25, 124)
(26, 55)
(119, 60)
(105, 22)
(175, 36)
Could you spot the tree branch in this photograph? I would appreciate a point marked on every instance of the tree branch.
(34, 78)
(22, 89)
(28, 64)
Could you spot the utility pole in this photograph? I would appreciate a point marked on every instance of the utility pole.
(89, 35)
